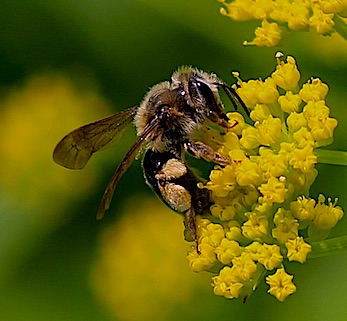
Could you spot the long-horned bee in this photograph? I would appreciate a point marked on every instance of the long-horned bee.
(166, 122)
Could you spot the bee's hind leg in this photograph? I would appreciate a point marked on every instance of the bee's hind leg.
(190, 232)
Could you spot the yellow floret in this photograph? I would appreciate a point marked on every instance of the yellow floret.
(203, 261)
(286, 226)
(268, 35)
(297, 249)
(303, 209)
(256, 227)
(314, 90)
(322, 22)
(274, 191)
(227, 250)
(270, 256)
(290, 102)
(281, 284)
(287, 75)
(326, 216)
(227, 284)
(269, 130)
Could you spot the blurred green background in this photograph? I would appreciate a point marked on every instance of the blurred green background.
(65, 63)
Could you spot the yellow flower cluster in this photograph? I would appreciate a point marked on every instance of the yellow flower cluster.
(27, 137)
(277, 14)
(262, 216)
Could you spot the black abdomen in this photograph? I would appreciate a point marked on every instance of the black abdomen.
(174, 182)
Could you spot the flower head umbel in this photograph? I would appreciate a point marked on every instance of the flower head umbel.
(278, 15)
(262, 217)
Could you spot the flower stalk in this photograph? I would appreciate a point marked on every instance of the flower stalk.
(328, 247)
(340, 26)
(332, 157)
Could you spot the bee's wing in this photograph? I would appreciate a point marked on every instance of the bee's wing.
(141, 140)
(76, 148)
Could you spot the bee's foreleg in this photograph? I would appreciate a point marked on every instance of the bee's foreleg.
(201, 150)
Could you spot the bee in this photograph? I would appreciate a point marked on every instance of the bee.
(166, 122)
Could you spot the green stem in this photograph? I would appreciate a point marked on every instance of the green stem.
(332, 157)
(340, 26)
(328, 247)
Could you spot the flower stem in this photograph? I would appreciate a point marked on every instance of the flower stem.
(328, 247)
(340, 26)
(332, 157)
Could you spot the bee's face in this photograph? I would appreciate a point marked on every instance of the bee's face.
(162, 101)
(201, 90)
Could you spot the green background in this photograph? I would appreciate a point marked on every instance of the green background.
(123, 48)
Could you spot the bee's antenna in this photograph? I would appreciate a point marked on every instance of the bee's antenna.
(234, 97)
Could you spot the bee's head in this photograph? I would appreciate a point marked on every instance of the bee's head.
(201, 89)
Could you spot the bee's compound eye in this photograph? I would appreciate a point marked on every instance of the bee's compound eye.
(202, 88)
(201, 92)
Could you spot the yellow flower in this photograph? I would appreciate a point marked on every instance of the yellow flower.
(321, 125)
(303, 159)
(274, 191)
(233, 230)
(326, 216)
(281, 284)
(254, 250)
(297, 15)
(303, 138)
(287, 75)
(248, 91)
(313, 90)
(236, 122)
(231, 142)
(247, 173)
(272, 164)
(203, 261)
(260, 215)
(227, 284)
(268, 93)
(289, 102)
(260, 112)
(238, 10)
(279, 15)
(270, 256)
(303, 209)
(295, 121)
(256, 227)
(211, 234)
(29, 130)
(222, 181)
(249, 139)
(297, 249)
(322, 22)
(227, 250)
(244, 267)
(225, 213)
(286, 226)
(268, 35)
(269, 130)
(332, 6)
(137, 260)
(299, 183)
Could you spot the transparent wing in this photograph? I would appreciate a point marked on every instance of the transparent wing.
(76, 148)
(141, 140)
